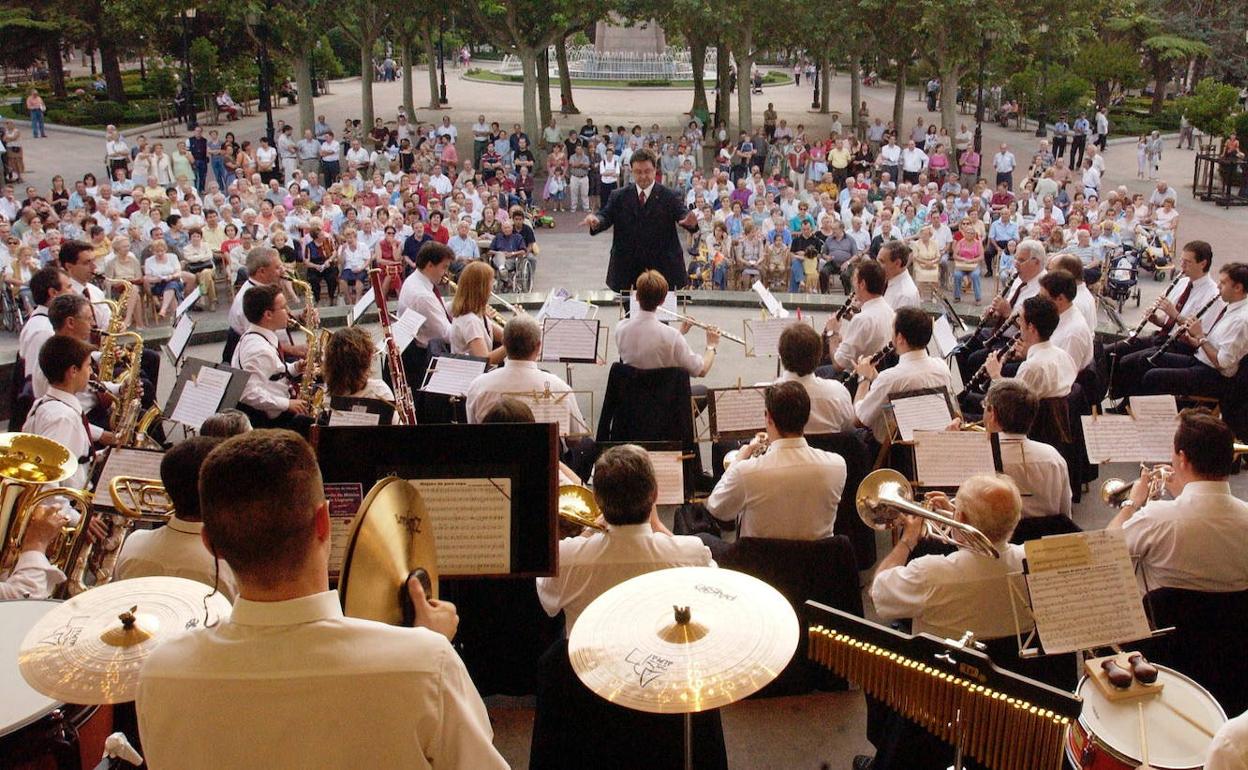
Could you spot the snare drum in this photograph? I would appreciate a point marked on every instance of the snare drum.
(1107, 734)
(35, 730)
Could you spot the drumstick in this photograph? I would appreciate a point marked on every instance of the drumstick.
(1188, 719)
(1143, 740)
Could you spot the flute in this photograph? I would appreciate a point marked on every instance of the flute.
(700, 325)
(1148, 317)
(1178, 330)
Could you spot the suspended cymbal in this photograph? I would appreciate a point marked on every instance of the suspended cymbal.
(89, 649)
(391, 537)
(635, 647)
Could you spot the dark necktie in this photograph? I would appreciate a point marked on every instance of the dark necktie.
(95, 321)
(438, 293)
(1017, 290)
(1178, 306)
(1221, 313)
(641, 197)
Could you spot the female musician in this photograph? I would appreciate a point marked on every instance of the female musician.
(471, 333)
(348, 364)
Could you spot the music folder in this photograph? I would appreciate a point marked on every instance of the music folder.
(354, 411)
(202, 389)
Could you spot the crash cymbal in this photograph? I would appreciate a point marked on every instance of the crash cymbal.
(391, 537)
(637, 646)
(89, 649)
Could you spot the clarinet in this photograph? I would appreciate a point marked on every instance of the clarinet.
(1149, 315)
(986, 316)
(875, 360)
(1178, 330)
(979, 382)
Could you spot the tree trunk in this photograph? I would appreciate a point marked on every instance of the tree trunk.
(366, 83)
(745, 68)
(899, 93)
(303, 81)
(825, 84)
(566, 105)
(431, 54)
(405, 61)
(697, 58)
(528, 65)
(855, 92)
(112, 70)
(1161, 78)
(723, 106)
(56, 66)
(949, 99)
(543, 86)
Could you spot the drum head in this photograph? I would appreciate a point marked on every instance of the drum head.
(20, 704)
(1173, 743)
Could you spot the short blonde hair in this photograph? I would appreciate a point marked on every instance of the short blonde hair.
(992, 504)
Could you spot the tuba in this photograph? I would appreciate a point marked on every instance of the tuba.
(884, 496)
(135, 500)
(28, 462)
(578, 510)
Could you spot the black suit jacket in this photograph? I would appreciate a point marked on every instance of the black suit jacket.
(645, 236)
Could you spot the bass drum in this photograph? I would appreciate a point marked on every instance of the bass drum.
(1107, 734)
(37, 732)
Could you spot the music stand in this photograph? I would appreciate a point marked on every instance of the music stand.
(366, 411)
(231, 393)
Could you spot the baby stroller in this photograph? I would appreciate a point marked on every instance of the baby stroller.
(1154, 251)
(1122, 282)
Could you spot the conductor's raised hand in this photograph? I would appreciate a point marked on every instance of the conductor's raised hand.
(432, 614)
(590, 221)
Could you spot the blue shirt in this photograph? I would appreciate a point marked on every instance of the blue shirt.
(1082, 126)
(1002, 230)
(1061, 128)
(464, 248)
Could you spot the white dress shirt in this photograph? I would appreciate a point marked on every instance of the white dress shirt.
(913, 161)
(58, 416)
(1229, 748)
(238, 321)
(791, 492)
(518, 377)
(1073, 335)
(831, 407)
(375, 388)
(915, 369)
(647, 343)
(275, 684)
(1047, 370)
(33, 577)
(950, 595)
(35, 332)
(257, 354)
(1204, 289)
(589, 566)
(1229, 336)
(866, 333)
(1020, 291)
(174, 550)
(1197, 541)
(417, 294)
(99, 309)
(466, 328)
(1040, 472)
(1085, 303)
(902, 292)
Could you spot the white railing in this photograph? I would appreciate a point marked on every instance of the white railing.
(587, 63)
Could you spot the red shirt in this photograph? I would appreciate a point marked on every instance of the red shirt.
(439, 233)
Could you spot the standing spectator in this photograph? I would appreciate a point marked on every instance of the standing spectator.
(329, 160)
(198, 147)
(480, 139)
(37, 109)
(309, 153)
(1102, 127)
(1185, 132)
(1003, 163)
(578, 179)
(1061, 133)
(1079, 140)
(608, 175)
(1153, 151)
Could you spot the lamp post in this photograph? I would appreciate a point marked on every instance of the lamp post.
(188, 85)
(989, 36)
(441, 63)
(814, 102)
(1042, 112)
(259, 26)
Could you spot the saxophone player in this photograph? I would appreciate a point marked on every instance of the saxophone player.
(266, 398)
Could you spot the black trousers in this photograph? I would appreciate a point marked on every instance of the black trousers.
(299, 423)
(1078, 145)
(829, 269)
(1131, 365)
(1059, 146)
(1183, 375)
(330, 277)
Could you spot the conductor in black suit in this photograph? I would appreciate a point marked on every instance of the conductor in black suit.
(645, 215)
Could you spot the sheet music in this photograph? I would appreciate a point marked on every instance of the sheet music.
(669, 475)
(669, 304)
(405, 328)
(551, 408)
(1110, 438)
(928, 411)
(946, 458)
(557, 294)
(1161, 407)
(739, 410)
(124, 461)
(1083, 591)
(201, 396)
(188, 302)
(567, 339)
(769, 301)
(471, 523)
(361, 307)
(355, 416)
(568, 308)
(943, 338)
(180, 337)
(452, 376)
(767, 331)
(1156, 419)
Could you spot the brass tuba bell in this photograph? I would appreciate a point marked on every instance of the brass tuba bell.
(577, 510)
(28, 462)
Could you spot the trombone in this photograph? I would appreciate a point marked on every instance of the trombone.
(701, 325)
(885, 495)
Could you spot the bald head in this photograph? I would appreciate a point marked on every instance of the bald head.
(991, 504)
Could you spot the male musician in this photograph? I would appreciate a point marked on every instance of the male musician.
(1188, 295)
(58, 415)
(1010, 409)
(522, 338)
(1085, 303)
(208, 698)
(266, 398)
(422, 292)
(788, 490)
(177, 549)
(33, 576)
(1199, 540)
(894, 257)
(1219, 351)
(1072, 333)
(1029, 267)
(1229, 748)
(645, 342)
(264, 268)
(915, 369)
(635, 542)
(644, 215)
(831, 407)
(870, 328)
(46, 284)
(1047, 370)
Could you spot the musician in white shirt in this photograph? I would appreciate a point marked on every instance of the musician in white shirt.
(1229, 748)
(208, 698)
(77, 259)
(1029, 268)
(264, 267)
(33, 576)
(1046, 369)
(177, 549)
(266, 396)
(870, 329)
(915, 370)
(1040, 471)
(1072, 333)
(522, 339)
(45, 285)
(645, 342)
(902, 292)
(635, 542)
(349, 355)
(66, 363)
(1199, 540)
(1085, 303)
(421, 292)
(831, 406)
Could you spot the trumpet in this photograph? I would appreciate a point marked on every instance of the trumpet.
(701, 325)
(135, 500)
(884, 496)
(759, 440)
(1116, 491)
(578, 510)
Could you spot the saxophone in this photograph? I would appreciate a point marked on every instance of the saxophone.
(311, 389)
(125, 409)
